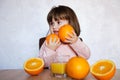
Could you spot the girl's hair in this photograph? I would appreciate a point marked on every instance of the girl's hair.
(64, 12)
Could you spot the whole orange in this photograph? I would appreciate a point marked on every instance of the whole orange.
(34, 66)
(64, 30)
(77, 68)
(52, 37)
(103, 69)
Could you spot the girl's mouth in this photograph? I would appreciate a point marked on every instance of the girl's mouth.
(56, 32)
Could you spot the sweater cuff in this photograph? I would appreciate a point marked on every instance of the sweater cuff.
(78, 42)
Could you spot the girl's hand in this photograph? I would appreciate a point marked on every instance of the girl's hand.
(53, 43)
(72, 37)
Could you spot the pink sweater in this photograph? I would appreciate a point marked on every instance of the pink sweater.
(64, 52)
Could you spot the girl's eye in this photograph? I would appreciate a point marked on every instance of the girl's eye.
(51, 23)
(59, 22)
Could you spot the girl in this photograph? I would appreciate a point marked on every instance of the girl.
(56, 50)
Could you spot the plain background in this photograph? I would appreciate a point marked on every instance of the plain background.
(23, 22)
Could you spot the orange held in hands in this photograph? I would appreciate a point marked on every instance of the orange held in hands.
(77, 68)
(52, 37)
(103, 69)
(64, 30)
(34, 66)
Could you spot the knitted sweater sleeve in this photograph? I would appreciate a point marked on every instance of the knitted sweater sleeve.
(81, 49)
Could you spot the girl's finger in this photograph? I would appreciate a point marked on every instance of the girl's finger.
(74, 33)
(70, 34)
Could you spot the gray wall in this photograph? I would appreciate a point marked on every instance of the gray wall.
(23, 22)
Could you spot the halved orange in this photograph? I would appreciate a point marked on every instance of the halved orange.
(103, 69)
(34, 66)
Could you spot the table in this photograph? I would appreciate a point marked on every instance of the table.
(20, 74)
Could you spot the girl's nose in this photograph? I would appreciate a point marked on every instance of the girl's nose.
(55, 26)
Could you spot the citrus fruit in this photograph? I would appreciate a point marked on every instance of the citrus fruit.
(77, 68)
(34, 66)
(103, 69)
(64, 30)
(52, 37)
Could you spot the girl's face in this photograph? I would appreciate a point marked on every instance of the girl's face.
(55, 25)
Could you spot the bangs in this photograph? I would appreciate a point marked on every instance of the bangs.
(57, 15)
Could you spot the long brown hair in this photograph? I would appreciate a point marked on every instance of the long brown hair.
(64, 12)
